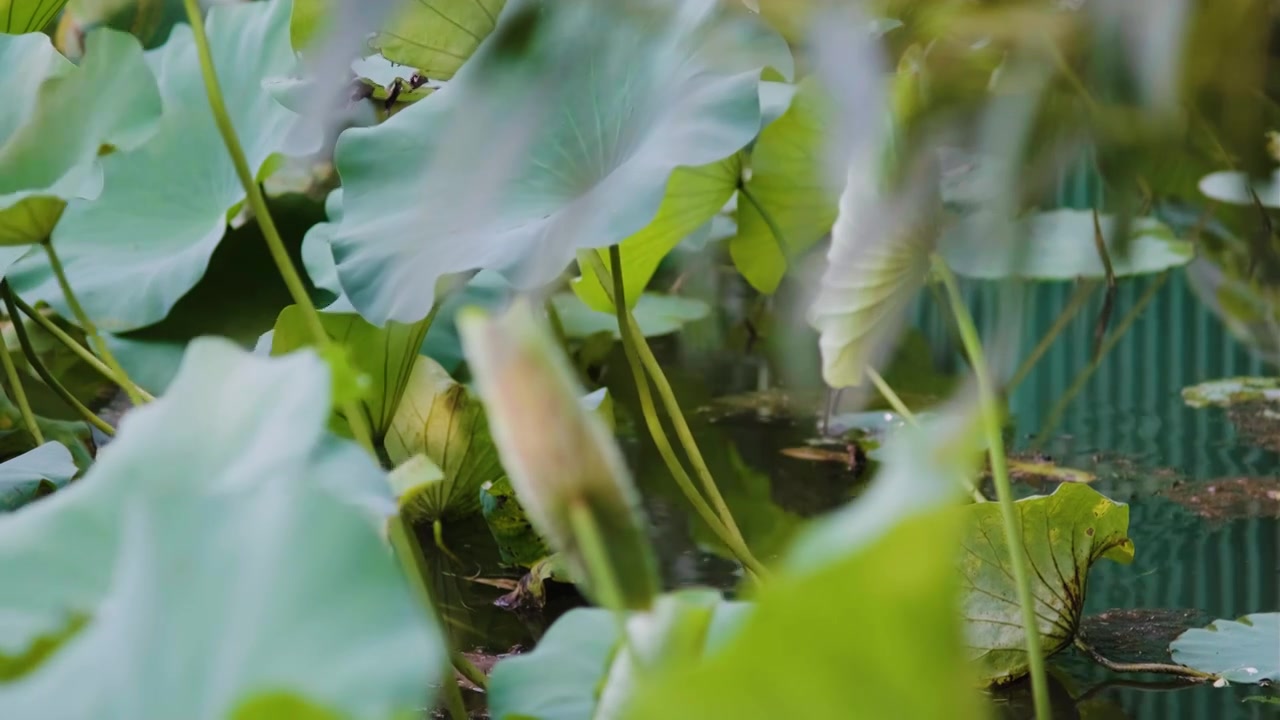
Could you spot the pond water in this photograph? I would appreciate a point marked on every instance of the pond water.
(1128, 425)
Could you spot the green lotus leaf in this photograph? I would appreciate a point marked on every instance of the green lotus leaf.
(34, 473)
(655, 314)
(27, 16)
(518, 543)
(147, 239)
(49, 147)
(1060, 245)
(1242, 651)
(789, 181)
(437, 36)
(560, 133)
(439, 417)
(148, 20)
(198, 547)
(693, 197)
(1232, 187)
(1063, 534)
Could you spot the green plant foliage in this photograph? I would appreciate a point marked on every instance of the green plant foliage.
(27, 16)
(201, 547)
(693, 197)
(1060, 245)
(1231, 391)
(1064, 534)
(518, 543)
(15, 439)
(33, 474)
(560, 133)
(788, 180)
(48, 145)
(1233, 188)
(1242, 651)
(147, 239)
(570, 471)
(655, 314)
(148, 20)
(437, 36)
(439, 417)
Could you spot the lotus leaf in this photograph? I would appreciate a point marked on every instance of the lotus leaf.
(560, 133)
(34, 473)
(27, 16)
(213, 545)
(655, 314)
(1242, 651)
(1063, 535)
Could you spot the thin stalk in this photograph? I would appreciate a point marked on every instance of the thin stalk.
(894, 401)
(34, 360)
(469, 671)
(731, 538)
(1147, 667)
(587, 535)
(89, 328)
(1000, 473)
(70, 343)
(258, 203)
(453, 700)
(1078, 300)
(1055, 415)
(19, 394)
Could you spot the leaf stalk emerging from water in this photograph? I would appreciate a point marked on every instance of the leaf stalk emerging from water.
(19, 394)
(1000, 473)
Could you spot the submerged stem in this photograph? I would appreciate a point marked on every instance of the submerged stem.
(70, 343)
(34, 360)
(1145, 667)
(19, 393)
(1000, 473)
(257, 202)
(1077, 302)
(91, 330)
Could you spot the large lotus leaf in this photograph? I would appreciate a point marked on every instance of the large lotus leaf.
(788, 180)
(437, 36)
(560, 133)
(48, 145)
(135, 250)
(440, 418)
(222, 547)
(654, 314)
(693, 197)
(27, 16)
(1061, 245)
(1063, 535)
(1243, 651)
(34, 473)
(878, 261)
(148, 20)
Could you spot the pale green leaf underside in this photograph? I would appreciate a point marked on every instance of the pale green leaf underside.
(147, 239)
(437, 36)
(198, 546)
(1060, 245)
(1063, 534)
(788, 179)
(1242, 651)
(1232, 187)
(560, 133)
(655, 314)
(43, 469)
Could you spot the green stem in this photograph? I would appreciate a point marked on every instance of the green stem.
(469, 671)
(453, 700)
(1125, 667)
(732, 540)
(1059, 408)
(888, 393)
(70, 343)
(91, 330)
(34, 360)
(257, 202)
(1000, 473)
(587, 535)
(1077, 302)
(19, 393)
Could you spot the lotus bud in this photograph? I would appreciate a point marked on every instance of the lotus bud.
(561, 459)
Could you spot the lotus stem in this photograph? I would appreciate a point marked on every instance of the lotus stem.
(34, 360)
(1055, 415)
(894, 401)
(1077, 302)
(1145, 667)
(91, 330)
(453, 700)
(587, 535)
(991, 426)
(70, 343)
(732, 540)
(19, 393)
(258, 203)
(469, 671)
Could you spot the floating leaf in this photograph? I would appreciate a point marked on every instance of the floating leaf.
(147, 239)
(1041, 470)
(1060, 245)
(562, 460)
(437, 36)
(518, 543)
(48, 145)
(560, 133)
(34, 473)
(27, 16)
(789, 181)
(655, 314)
(440, 418)
(1232, 187)
(1242, 651)
(1232, 391)
(1063, 535)
(198, 547)
(1224, 499)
